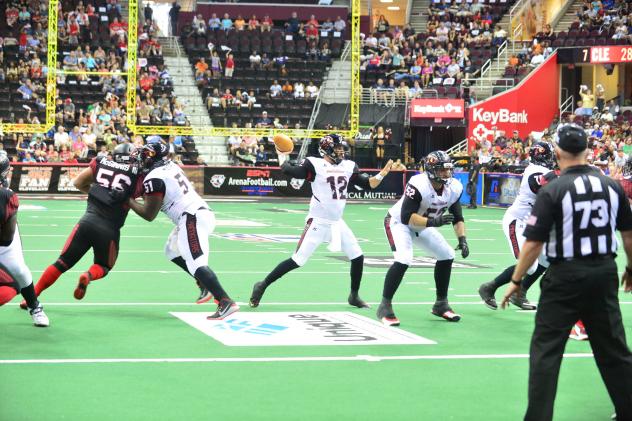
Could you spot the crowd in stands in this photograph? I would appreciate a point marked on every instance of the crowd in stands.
(400, 64)
(90, 110)
(609, 133)
(245, 67)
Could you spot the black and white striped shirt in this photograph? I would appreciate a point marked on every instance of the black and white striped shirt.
(577, 215)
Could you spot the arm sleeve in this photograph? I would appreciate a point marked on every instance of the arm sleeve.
(412, 200)
(536, 181)
(93, 167)
(154, 187)
(540, 222)
(305, 171)
(457, 211)
(624, 214)
(360, 179)
(11, 207)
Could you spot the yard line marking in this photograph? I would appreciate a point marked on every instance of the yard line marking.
(361, 358)
(189, 303)
(467, 295)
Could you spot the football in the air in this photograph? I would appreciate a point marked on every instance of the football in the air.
(283, 143)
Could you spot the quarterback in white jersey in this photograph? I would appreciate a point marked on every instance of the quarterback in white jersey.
(15, 276)
(167, 189)
(515, 221)
(412, 220)
(330, 177)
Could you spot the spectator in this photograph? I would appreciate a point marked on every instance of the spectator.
(253, 23)
(340, 24)
(214, 23)
(264, 121)
(266, 24)
(292, 23)
(275, 89)
(255, 61)
(61, 138)
(382, 25)
(216, 66)
(227, 23)
(230, 66)
(240, 23)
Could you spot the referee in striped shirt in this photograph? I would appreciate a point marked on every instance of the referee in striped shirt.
(575, 217)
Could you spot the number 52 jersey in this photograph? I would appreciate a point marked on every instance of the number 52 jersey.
(178, 194)
(430, 204)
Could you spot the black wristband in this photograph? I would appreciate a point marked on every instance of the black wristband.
(516, 282)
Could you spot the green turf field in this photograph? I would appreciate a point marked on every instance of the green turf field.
(120, 355)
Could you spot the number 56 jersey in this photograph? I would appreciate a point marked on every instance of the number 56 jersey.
(430, 204)
(178, 194)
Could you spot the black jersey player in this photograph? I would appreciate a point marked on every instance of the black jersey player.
(109, 184)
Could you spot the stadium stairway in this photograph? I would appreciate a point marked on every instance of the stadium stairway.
(211, 148)
(419, 15)
(565, 21)
(337, 82)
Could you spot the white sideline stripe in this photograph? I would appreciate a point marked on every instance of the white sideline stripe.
(324, 303)
(237, 272)
(365, 358)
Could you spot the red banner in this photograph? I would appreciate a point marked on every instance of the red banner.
(530, 106)
(437, 108)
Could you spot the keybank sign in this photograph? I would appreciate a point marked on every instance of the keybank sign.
(528, 107)
(299, 329)
(501, 116)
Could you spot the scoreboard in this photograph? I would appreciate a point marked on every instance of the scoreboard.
(608, 54)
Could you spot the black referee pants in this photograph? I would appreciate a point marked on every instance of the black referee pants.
(587, 290)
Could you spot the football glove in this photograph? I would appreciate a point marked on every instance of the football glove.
(465, 250)
(440, 220)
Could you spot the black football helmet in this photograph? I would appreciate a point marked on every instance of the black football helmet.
(542, 153)
(5, 167)
(152, 155)
(332, 146)
(123, 153)
(436, 164)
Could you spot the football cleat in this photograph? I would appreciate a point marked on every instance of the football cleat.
(578, 332)
(205, 296)
(257, 293)
(486, 291)
(386, 315)
(23, 305)
(84, 280)
(39, 317)
(225, 308)
(519, 299)
(443, 310)
(355, 300)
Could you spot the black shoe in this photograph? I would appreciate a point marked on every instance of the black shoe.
(355, 300)
(442, 309)
(205, 296)
(225, 308)
(257, 293)
(519, 299)
(486, 291)
(386, 315)
(471, 206)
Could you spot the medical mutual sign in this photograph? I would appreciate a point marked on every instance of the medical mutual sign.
(530, 106)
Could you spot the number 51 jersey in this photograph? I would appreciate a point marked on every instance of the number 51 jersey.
(431, 204)
(178, 193)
